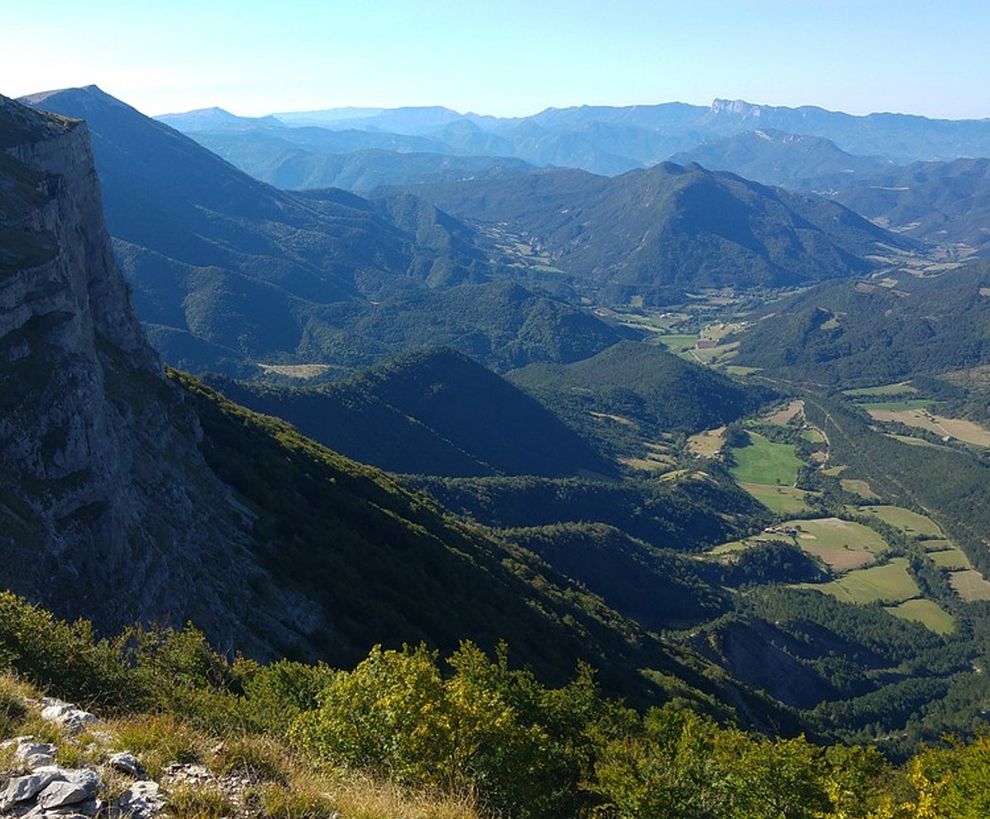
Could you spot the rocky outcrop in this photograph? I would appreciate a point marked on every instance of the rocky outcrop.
(107, 508)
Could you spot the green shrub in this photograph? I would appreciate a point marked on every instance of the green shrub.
(486, 729)
(13, 707)
(66, 659)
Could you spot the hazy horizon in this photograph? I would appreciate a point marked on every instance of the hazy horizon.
(255, 58)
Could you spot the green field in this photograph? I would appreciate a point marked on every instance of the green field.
(813, 436)
(833, 533)
(926, 612)
(938, 545)
(679, 342)
(900, 388)
(909, 522)
(741, 545)
(834, 471)
(950, 559)
(907, 439)
(783, 500)
(764, 462)
(888, 583)
(895, 406)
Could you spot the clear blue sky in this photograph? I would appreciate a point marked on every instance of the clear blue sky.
(508, 57)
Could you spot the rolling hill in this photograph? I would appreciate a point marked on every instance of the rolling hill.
(939, 202)
(292, 168)
(863, 334)
(645, 233)
(436, 412)
(645, 391)
(126, 495)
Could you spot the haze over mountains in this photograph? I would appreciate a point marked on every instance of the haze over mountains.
(228, 271)
(604, 139)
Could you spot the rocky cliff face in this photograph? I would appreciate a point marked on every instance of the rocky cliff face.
(106, 506)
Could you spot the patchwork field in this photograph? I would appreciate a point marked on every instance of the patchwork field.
(785, 415)
(678, 342)
(889, 583)
(958, 428)
(970, 585)
(767, 471)
(907, 439)
(950, 559)
(784, 500)
(858, 487)
(926, 612)
(735, 369)
(841, 544)
(899, 406)
(909, 522)
(899, 388)
(741, 545)
(765, 462)
(708, 443)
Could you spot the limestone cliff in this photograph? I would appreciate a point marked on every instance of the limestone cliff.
(106, 506)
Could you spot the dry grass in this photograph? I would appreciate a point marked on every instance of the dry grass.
(288, 786)
(295, 370)
(708, 443)
(158, 740)
(198, 802)
(970, 585)
(260, 758)
(958, 428)
(13, 705)
(784, 416)
(854, 486)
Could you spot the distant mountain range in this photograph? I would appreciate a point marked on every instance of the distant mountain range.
(604, 139)
(228, 271)
(795, 161)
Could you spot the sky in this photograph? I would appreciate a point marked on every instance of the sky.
(508, 58)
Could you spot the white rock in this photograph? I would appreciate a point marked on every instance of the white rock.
(33, 755)
(72, 719)
(127, 763)
(85, 778)
(63, 794)
(141, 800)
(22, 788)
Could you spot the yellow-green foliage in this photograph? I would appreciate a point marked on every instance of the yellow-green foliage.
(681, 764)
(404, 737)
(485, 728)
